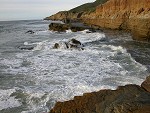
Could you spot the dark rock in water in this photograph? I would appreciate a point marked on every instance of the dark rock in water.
(26, 47)
(71, 44)
(30, 32)
(74, 27)
(56, 46)
(60, 45)
(58, 27)
(146, 84)
(74, 42)
(125, 99)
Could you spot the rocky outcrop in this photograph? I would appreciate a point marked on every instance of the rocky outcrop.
(132, 15)
(146, 84)
(125, 99)
(58, 27)
(62, 27)
(71, 44)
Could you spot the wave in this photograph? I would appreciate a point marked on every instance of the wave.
(8, 101)
(51, 75)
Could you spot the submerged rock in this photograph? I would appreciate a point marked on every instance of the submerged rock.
(125, 99)
(26, 47)
(30, 32)
(71, 44)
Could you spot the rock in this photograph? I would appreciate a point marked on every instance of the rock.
(63, 27)
(25, 47)
(125, 99)
(75, 28)
(74, 42)
(71, 44)
(146, 84)
(56, 46)
(58, 27)
(61, 45)
(132, 15)
(30, 32)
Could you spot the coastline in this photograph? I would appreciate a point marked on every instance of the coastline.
(133, 16)
(125, 99)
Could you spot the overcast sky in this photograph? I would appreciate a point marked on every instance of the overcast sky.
(34, 9)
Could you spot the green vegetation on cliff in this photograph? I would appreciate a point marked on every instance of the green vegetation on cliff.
(88, 7)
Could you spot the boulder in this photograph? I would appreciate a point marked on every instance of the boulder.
(146, 84)
(125, 99)
(30, 32)
(26, 47)
(74, 27)
(71, 44)
(61, 45)
(58, 27)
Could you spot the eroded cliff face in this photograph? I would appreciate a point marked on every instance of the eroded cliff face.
(133, 15)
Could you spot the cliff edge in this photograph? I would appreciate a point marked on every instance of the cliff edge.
(125, 99)
(132, 15)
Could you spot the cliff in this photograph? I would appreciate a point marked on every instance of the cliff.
(125, 99)
(132, 15)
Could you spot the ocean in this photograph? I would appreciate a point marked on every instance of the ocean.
(34, 76)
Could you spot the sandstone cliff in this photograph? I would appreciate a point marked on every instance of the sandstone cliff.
(133, 15)
(125, 99)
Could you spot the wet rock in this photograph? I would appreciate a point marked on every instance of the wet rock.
(26, 47)
(71, 44)
(74, 42)
(74, 27)
(56, 46)
(60, 45)
(30, 32)
(58, 27)
(125, 99)
(146, 84)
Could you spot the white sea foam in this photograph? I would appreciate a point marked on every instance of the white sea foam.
(90, 37)
(40, 45)
(6, 101)
(44, 32)
(26, 43)
(68, 31)
(61, 74)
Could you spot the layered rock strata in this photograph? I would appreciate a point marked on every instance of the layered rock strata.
(133, 15)
(125, 99)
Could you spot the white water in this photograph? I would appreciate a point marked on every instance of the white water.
(45, 75)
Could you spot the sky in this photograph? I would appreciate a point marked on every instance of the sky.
(34, 9)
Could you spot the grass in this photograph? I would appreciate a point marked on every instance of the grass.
(88, 7)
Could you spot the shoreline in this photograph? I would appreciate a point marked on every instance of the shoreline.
(125, 99)
(128, 15)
